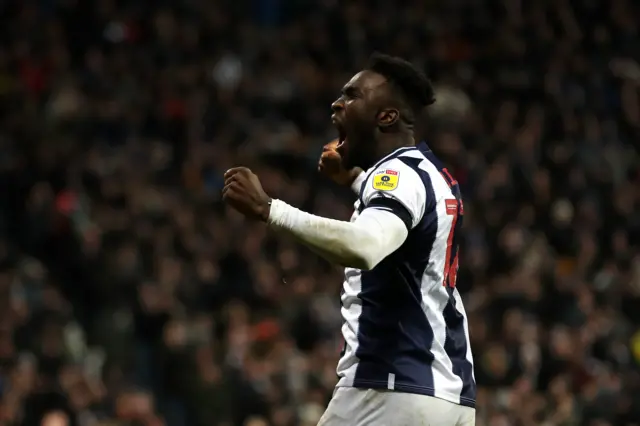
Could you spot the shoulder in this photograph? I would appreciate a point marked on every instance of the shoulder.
(396, 181)
(393, 175)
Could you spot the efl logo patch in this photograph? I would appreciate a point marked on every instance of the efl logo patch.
(385, 180)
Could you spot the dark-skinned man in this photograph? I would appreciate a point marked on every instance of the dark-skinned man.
(406, 358)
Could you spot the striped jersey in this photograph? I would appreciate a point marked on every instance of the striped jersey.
(405, 328)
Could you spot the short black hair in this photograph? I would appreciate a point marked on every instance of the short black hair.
(412, 83)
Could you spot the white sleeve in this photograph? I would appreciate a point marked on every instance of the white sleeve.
(357, 183)
(396, 187)
(361, 244)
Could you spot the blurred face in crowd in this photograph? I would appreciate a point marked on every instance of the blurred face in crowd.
(55, 418)
(356, 114)
(256, 421)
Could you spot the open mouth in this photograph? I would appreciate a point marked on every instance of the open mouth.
(342, 139)
(342, 133)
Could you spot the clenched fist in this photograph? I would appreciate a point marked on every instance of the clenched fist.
(243, 191)
(330, 165)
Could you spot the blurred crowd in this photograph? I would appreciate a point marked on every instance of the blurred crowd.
(130, 296)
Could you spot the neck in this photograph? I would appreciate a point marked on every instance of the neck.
(387, 143)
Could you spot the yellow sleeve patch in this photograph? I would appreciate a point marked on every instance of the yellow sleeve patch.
(385, 180)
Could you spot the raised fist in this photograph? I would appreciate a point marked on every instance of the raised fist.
(243, 191)
(330, 165)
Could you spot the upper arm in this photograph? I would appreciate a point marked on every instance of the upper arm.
(397, 188)
(378, 233)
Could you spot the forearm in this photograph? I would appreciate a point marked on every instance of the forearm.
(361, 244)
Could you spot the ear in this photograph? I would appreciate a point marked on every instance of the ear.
(388, 117)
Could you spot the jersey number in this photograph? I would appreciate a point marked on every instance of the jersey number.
(455, 209)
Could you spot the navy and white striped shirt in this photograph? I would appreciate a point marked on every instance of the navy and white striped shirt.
(405, 328)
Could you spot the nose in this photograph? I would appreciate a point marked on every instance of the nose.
(337, 105)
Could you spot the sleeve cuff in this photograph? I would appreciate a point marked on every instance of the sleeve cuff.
(277, 212)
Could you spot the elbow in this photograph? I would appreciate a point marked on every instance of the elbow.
(360, 262)
(367, 265)
(362, 256)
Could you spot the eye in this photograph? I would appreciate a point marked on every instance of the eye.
(350, 93)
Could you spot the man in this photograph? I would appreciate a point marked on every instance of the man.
(406, 359)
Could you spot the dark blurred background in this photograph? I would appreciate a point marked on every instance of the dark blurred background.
(130, 296)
